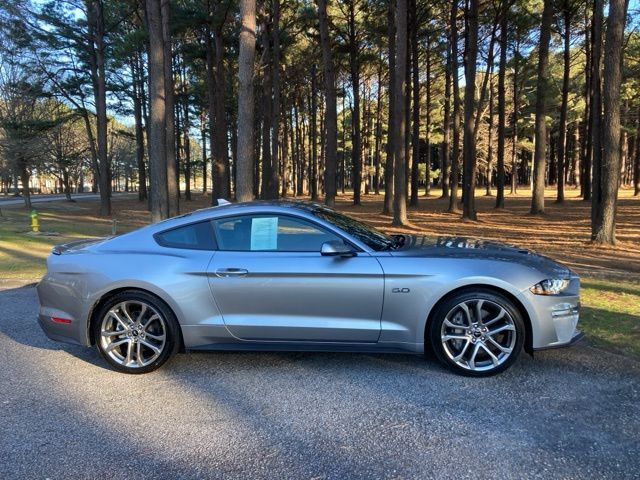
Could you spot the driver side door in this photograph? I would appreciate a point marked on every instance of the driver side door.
(271, 283)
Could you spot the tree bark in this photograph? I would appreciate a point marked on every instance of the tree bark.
(389, 161)
(502, 115)
(246, 137)
(97, 64)
(636, 167)
(427, 139)
(275, 110)
(156, 127)
(542, 86)
(455, 151)
(445, 170)
(400, 185)
(595, 110)
(378, 134)
(220, 164)
(173, 177)
(267, 104)
(514, 123)
(562, 127)
(469, 146)
(137, 114)
(354, 67)
(415, 123)
(603, 228)
(331, 115)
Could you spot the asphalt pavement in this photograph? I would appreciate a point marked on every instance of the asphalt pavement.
(570, 413)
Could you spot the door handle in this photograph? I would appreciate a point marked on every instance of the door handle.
(231, 272)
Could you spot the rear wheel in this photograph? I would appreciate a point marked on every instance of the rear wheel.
(477, 333)
(135, 332)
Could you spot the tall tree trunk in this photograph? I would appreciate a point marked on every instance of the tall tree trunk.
(275, 111)
(415, 136)
(489, 169)
(331, 118)
(203, 139)
(542, 86)
(576, 155)
(186, 126)
(445, 170)
(269, 190)
(378, 134)
(587, 151)
(603, 228)
(354, 67)
(25, 175)
(97, 64)
(502, 115)
(400, 186)
(246, 138)
(455, 151)
(173, 176)
(137, 114)
(636, 167)
(595, 123)
(469, 146)
(427, 156)
(156, 125)
(389, 162)
(211, 97)
(562, 128)
(313, 189)
(220, 164)
(514, 123)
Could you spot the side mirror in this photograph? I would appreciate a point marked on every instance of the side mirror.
(336, 248)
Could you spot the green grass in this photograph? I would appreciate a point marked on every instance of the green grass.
(611, 315)
(23, 256)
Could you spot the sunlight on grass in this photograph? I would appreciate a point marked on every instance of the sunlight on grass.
(611, 315)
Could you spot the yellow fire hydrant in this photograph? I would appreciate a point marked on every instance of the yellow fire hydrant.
(35, 225)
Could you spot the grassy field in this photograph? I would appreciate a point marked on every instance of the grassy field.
(611, 276)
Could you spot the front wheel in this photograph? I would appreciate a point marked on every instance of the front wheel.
(477, 333)
(135, 332)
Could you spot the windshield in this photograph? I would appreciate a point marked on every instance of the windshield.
(363, 232)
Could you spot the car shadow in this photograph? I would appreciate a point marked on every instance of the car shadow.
(19, 323)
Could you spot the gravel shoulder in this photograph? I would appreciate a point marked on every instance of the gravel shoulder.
(570, 413)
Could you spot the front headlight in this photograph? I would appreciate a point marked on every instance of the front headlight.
(550, 286)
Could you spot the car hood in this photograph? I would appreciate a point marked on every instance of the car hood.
(465, 247)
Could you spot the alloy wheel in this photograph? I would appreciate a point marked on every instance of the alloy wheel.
(478, 335)
(133, 334)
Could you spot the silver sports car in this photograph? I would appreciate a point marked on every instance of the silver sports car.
(300, 276)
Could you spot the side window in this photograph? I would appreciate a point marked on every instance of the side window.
(270, 233)
(197, 236)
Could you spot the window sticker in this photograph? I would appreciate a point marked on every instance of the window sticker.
(264, 233)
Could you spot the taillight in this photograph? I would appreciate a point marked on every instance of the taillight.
(64, 321)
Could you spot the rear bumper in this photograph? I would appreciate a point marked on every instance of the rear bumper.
(62, 315)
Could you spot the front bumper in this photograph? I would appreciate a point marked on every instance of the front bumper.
(554, 318)
(575, 339)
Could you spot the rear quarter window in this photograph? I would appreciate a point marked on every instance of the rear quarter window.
(196, 236)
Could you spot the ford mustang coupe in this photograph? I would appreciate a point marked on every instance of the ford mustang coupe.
(300, 276)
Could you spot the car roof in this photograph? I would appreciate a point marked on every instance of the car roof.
(304, 207)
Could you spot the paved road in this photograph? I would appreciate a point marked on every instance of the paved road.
(567, 414)
(11, 200)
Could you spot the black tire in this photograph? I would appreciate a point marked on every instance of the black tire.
(455, 342)
(106, 332)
